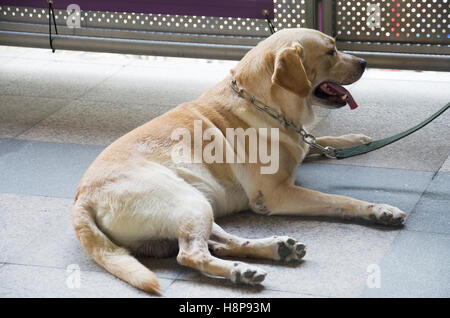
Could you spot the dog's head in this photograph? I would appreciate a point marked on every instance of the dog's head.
(307, 64)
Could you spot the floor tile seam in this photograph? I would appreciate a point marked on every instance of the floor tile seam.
(187, 279)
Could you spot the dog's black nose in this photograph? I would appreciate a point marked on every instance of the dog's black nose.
(363, 64)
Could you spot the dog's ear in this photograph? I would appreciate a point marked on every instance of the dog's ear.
(289, 71)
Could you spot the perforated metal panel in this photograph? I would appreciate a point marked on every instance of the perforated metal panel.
(288, 13)
(405, 26)
(154, 34)
(404, 21)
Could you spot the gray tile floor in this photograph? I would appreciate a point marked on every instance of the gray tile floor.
(58, 111)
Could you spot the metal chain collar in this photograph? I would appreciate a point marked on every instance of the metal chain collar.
(272, 112)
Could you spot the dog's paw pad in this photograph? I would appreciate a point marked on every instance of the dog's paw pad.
(386, 214)
(289, 250)
(300, 251)
(246, 274)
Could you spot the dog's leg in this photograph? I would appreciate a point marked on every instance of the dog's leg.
(340, 142)
(294, 200)
(279, 248)
(194, 253)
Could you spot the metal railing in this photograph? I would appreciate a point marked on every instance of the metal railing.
(388, 33)
(153, 34)
(410, 34)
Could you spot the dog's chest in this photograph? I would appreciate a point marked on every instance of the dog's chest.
(224, 195)
(233, 200)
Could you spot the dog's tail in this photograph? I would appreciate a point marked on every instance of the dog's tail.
(113, 258)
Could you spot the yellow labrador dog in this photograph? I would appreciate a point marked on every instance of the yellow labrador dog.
(135, 199)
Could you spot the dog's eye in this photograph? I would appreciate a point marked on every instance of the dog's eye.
(331, 52)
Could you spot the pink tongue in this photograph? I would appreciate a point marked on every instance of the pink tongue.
(341, 91)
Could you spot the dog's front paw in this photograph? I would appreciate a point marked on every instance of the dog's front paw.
(247, 274)
(386, 214)
(289, 249)
(357, 139)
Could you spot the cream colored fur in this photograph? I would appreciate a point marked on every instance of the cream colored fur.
(133, 195)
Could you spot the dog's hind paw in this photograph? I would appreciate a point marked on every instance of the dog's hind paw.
(289, 249)
(386, 214)
(247, 274)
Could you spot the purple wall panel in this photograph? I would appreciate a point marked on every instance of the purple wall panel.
(212, 8)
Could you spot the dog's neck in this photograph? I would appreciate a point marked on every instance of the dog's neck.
(297, 109)
(293, 108)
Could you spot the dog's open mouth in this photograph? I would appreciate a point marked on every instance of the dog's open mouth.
(335, 94)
